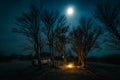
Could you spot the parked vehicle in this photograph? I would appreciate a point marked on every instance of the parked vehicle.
(42, 60)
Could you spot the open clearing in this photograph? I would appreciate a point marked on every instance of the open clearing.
(22, 70)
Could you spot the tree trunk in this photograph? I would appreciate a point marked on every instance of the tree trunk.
(52, 55)
(53, 59)
(81, 59)
(64, 58)
(37, 50)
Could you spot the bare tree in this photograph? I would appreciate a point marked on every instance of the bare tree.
(49, 19)
(84, 38)
(60, 38)
(55, 30)
(29, 26)
(109, 14)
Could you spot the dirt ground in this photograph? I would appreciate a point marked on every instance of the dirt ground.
(22, 70)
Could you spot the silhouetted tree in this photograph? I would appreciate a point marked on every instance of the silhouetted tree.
(29, 26)
(109, 14)
(49, 19)
(60, 38)
(83, 39)
(55, 30)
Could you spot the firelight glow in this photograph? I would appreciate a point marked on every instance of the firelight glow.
(70, 11)
(70, 66)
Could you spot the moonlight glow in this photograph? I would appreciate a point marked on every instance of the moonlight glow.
(70, 11)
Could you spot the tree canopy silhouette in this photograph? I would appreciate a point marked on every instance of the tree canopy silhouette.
(109, 14)
(83, 39)
(60, 38)
(55, 30)
(29, 26)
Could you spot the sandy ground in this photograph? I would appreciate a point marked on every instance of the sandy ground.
(96, 71)
(105, 71)
(10, 70)
(22, 70)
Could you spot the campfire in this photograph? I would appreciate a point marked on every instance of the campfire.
(70, 65)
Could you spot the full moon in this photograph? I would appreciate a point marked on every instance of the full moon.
(70, 11)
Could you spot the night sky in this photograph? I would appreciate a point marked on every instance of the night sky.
(11, 43)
